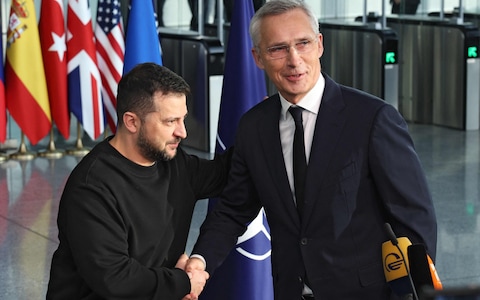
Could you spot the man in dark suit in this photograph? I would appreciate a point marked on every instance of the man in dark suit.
(362, 172)
(407, 7)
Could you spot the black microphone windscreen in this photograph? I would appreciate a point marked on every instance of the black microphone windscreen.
(419, 266)
(402, 287)
(391, 234)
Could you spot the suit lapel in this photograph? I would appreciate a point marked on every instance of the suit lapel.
(328, 127)
(273, 154)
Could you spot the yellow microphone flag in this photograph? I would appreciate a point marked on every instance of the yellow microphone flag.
(393, 261)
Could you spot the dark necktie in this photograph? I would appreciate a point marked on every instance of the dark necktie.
(299, 158)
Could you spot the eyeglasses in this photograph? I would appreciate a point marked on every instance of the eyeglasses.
(281, 51)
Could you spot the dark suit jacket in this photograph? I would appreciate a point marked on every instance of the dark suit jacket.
(363, 171)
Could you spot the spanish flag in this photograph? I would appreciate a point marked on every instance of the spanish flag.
(25, 85)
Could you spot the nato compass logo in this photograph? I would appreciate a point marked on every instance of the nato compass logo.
(255, 242)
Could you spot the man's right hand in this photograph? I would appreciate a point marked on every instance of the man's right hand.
(195, 269)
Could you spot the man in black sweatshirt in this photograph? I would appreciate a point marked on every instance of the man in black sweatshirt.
(126, 209)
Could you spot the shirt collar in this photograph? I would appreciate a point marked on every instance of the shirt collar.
(310, 102)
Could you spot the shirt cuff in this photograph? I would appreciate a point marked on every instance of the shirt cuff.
(200, 258)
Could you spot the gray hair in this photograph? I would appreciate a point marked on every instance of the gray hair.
(278, 7)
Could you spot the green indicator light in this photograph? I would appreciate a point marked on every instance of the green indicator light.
(470, 208)
(472, 51)
(390, 58)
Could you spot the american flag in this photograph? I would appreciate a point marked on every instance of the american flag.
(84, 82)
(110, 54)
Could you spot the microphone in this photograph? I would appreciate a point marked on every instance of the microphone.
(396, 266)
(422, 268)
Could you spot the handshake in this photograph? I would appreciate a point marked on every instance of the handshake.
(195, 269)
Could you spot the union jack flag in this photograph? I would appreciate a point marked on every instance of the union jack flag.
(84, 81)
(110, 54)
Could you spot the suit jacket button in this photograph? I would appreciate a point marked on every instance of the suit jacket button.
(304, 241)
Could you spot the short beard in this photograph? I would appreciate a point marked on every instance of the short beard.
(150, 151)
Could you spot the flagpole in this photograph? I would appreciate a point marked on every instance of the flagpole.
(3, 157)
(22, 153)
(79, 150)
(51, 152)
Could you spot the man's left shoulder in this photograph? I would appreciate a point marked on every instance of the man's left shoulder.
(355, 94)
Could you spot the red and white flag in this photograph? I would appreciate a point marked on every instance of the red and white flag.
(84, 82)
(3, 105)
(53, 42)
(109, 34)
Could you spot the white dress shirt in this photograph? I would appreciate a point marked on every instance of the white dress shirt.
(310, 104)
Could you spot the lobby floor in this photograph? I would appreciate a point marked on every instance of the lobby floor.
(30, 192)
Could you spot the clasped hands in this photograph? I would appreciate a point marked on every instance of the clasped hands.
(195, 269)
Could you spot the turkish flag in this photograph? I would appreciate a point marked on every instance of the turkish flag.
(53, 42)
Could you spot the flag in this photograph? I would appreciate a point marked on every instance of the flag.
(25, 85)
(3, 107)
(84, 82)
(141, 42)
(53, 42)
(246, 273)
(110, 53)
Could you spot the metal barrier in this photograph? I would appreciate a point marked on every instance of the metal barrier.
(415, 49)
(439, 71)
(363, 57)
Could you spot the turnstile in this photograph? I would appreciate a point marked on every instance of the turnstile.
(362, 56)
(439, 72)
